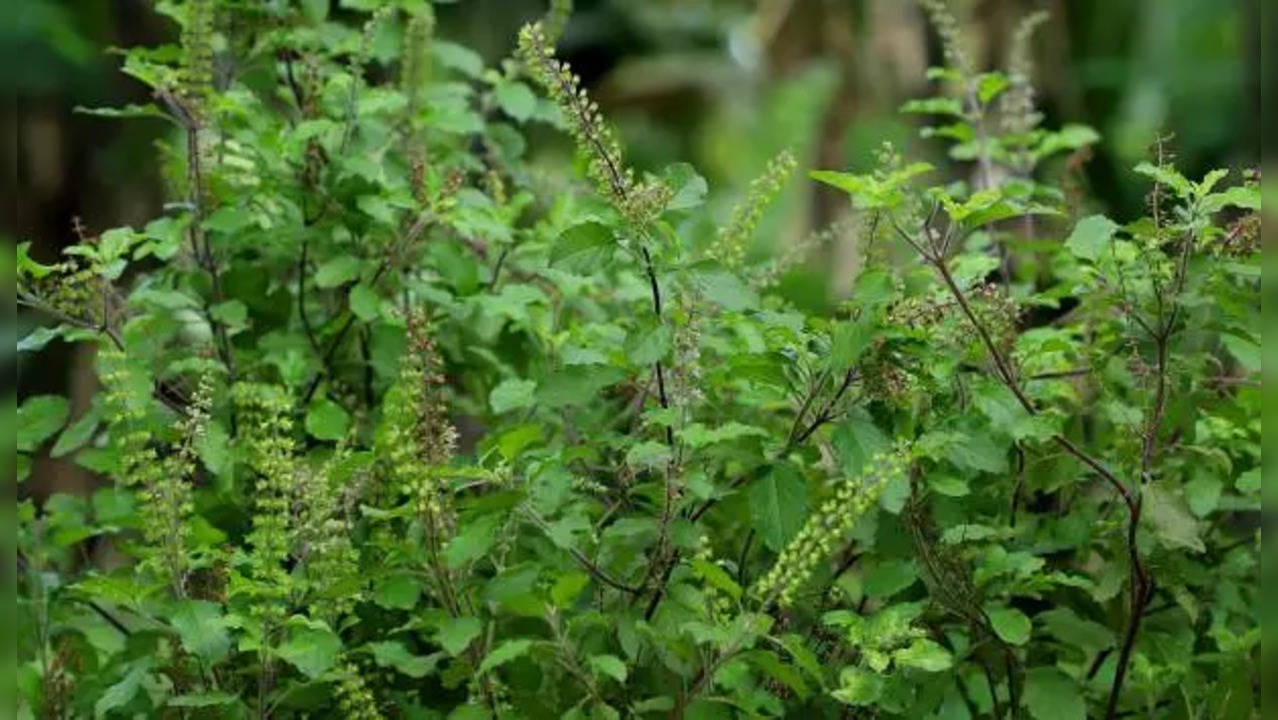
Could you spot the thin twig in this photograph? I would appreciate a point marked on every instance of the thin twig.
(586, 563)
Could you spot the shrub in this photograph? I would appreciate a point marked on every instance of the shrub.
(393, 426)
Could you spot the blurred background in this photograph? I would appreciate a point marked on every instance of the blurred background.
(722, 84)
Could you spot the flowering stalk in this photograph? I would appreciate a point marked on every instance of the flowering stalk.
(269, 448)
(825, 529)
(639, 202)
(730, 247)
(419, 441)
(354, 699)
(161, 480)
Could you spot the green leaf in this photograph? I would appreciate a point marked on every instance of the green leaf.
(1241, 196)
(649, 454)
(568, 587)
(114, 505)
(365, 303)
(1169, 515)
(326, 420)
(1246, 352)
(455, 634)
(689, 187)
(948, 485)
(393, 654)
(114, 243)
(697, 435)
(890, 577)
(26, 265)
(472, 542)
(858, 687)
(397, 592)
(515, 99)
(214, 448)
(518, 438)
(38, 418)
(1166, 175)
(925, 655)
(228, 220)
(1202, 494)
(771, 664)
(202, 700)
(990, 85)
(717, 577)
(778, 505)
(512, 394)
(1052, 695)
(315, 10)
(648, 344)
(232, 313)
(969, 532)
(934, 106)
(121, 693)
(1010, 624)
(1070, 629)
(804, 656)
(977, 451)
(77, 433)
(727, 290)
(311, 647)
(38, 338)
(1091, 237)
(1070, 137)
(857, 440)
(584, 248)
(203, 629)
(458, 57)
(1248, 482)
(609, 665)
(338, 271)
(577, 385)
(849, 339)
(504, 653)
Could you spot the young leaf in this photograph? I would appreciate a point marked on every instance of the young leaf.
(1009, 624)
(609, 665)
(338, 271)
(39, 418)
(399, 592)
(925, 655)
(393, 654)
(512, 394)
(1090, 237)
(583, 248)
(311, 647)
(455, 634)
(515, 99)
(778, 505)
(504, 653)
(326, 420)
(203, 629)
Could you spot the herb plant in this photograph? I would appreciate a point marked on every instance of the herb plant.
(394, 424)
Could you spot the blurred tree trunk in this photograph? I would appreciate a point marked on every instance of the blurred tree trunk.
(69, 167)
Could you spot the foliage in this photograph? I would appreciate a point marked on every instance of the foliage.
(393, 427)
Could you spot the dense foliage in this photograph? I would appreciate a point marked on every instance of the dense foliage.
(393, 424)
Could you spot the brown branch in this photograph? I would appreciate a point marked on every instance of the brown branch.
(1009, 380)
(1142, 584)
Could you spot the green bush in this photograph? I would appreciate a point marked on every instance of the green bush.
(393, 424)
